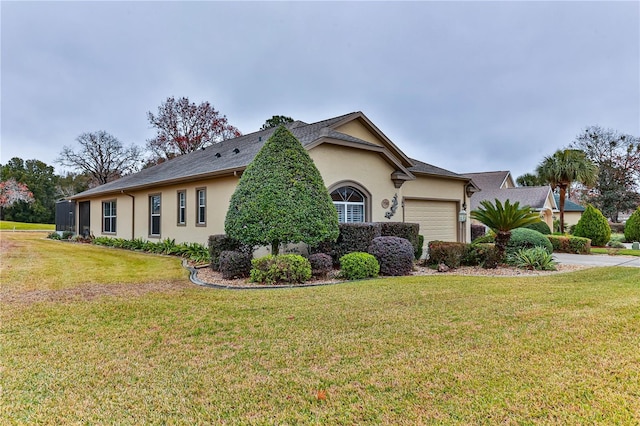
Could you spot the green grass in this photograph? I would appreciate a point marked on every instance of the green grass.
(558, 349)
(614, 251)
(6, 225)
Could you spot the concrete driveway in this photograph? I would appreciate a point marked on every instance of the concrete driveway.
(597, 260)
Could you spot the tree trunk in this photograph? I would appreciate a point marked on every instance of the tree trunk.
(502, 239)
(275, 247)
(563, 193)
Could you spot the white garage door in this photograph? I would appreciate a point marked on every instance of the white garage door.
(438, 219)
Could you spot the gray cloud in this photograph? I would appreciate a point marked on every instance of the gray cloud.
(468, 86)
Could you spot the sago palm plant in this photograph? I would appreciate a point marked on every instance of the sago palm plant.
(502, 219)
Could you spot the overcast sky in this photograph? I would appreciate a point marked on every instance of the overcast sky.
(467, 86)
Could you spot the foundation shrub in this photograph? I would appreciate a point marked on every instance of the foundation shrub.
(524, 238)
(593, 225)
(358, 265)
(483, 254)
(394, 254)
(282, 268)
(353, 237)
(418, 253)
(408, 231)
(570, 244)
(449, 253)
(541, 227)
(632, 227)
(477, 231)
(234, 264)
(321, 264)
(221, 242)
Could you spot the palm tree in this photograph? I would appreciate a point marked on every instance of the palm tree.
(563, 168)
(502, 219)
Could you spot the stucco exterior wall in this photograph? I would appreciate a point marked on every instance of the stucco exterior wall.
(356, 129)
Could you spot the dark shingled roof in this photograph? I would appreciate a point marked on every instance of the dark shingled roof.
(235, 155)
(569, 206)
(490, 184)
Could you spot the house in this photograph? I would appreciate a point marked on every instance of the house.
(500, 185)
(572, 211)
(368, 176)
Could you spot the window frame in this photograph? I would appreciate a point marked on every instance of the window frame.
(182, 207)
(112, 217)
(347, 206)
(201, 208)
(153, 215)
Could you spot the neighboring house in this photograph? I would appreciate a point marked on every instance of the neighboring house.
(368, 176)
(500, 185)
(572, 211)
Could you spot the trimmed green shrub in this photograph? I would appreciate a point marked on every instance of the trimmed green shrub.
(354, 237)
(281, 198)
(632, 227)
(394, 254)
(282, 268)
(535, 258)
(221, 242)
(408, 231)
(524, 238)
(570, 244)
(449, 253)
(489, 238)
(484, 254)
(54, 236)
(321, 264)
(66, 235)
(541, 227)
(477, 231)
(358, 265)
(418, 253)
(234, 264)
(593, 225)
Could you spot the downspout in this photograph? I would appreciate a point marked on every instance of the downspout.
(133, 214)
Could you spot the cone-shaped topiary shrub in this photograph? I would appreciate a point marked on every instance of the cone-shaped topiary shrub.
(394, 254)
(632, 227)
(281, 198)
(593, 225)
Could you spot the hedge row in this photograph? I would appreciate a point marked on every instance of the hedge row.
(570, 244)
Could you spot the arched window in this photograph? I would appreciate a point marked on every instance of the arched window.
(350, 204)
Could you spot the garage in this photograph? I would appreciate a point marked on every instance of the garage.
(437, 219)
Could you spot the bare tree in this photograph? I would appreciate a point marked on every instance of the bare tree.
(102, 157)
(184, 127)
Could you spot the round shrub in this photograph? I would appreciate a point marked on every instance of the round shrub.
(523, 238)
(321, 264)
(394, 254)
(541, 227)
(632, 227)
(234, 264)
(283, 268)
(489, 238)
(593, 225)
(359, 265)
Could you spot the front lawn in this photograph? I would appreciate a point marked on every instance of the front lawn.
(6, 225)
(559, 349)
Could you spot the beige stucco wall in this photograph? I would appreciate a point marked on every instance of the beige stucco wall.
(570, 218)
(337, 164)
(356, 129)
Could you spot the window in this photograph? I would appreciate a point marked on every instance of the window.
(154, 215)
(349, 204)
(109, 217)
(182, 208)
(201, 198)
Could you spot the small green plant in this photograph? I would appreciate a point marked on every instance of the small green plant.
(536, 258)
(615, 244)
(283, 268)
(593, 225)
(523, 238)
(358, 265)
(53, 236)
